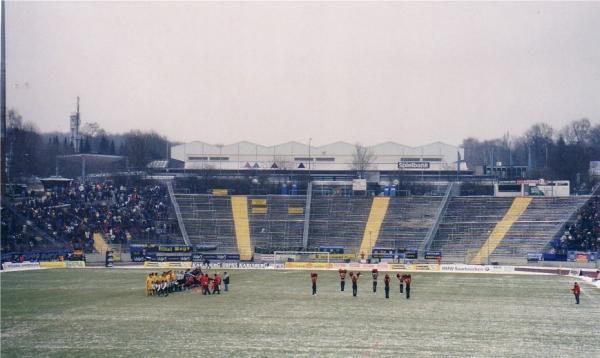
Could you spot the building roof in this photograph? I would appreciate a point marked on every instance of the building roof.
(294, 146)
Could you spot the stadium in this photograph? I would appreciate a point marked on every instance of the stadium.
(135, 245)
(89, 243)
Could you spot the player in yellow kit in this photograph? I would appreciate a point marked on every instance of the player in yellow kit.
(150, 285)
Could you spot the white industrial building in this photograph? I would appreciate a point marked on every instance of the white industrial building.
(337, 156)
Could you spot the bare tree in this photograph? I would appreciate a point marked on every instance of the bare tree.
(92, 129)
(540, 132)
(595, 137)
(363, 159)
(578, 132)
(143, 147)
(24, 148)
(15, 120)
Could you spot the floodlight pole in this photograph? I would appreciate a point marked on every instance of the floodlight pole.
(309, 157)
(3, 166)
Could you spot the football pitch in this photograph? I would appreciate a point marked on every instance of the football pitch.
(104, 312)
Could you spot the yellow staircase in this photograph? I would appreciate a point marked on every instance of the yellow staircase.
(99, 243)
(517, 208)
(378, 210)
(239, 209)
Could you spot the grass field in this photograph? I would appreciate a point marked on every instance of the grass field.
(100, 312)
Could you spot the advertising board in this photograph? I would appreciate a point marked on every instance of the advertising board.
(53, 264)
(153, 264)
(433, 255)
(414, 267)
(215, 257)
(534, 256)
(410, 254)
(476, 268)
(359, 184)
(246, 265)
(75, 264)
(25, 265)
(308, 265)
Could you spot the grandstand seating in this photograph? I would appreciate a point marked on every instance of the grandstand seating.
(407, 221)
(117, 215)
(378, 211)
(208, 220)
(65, 217)
(277, 221)
(280, 225)
(276, 224)
(467, 223)
(518, 207)
(538, 225)
(338, 221)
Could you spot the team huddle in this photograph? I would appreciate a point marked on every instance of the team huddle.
(175, 281)
(404, 279)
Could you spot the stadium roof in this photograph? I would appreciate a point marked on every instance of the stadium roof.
(158, 164)
(92, 156)
(165, 164)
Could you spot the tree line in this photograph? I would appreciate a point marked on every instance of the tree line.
(547, 152)
(32, 153)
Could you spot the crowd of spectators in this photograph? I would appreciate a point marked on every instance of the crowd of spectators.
(72, 214)
(16, 236)
(584, 233)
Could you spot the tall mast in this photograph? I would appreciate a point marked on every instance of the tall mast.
(3, 109)
(74, 125)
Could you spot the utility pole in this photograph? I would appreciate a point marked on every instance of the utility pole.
(3, 167)
(458, 161)
(309, 157)
(529, 162)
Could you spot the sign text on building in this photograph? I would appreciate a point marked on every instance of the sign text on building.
(413, 165)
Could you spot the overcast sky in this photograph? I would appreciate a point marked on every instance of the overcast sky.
(271, 72)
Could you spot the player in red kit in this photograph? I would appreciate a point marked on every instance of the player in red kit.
(386, 282)
(342, 273)
(354, 278)
(216, 286)
(204, 282)
(407, 281)
(375, 274)
(313, 278)
(401, 279)
(576, 292)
